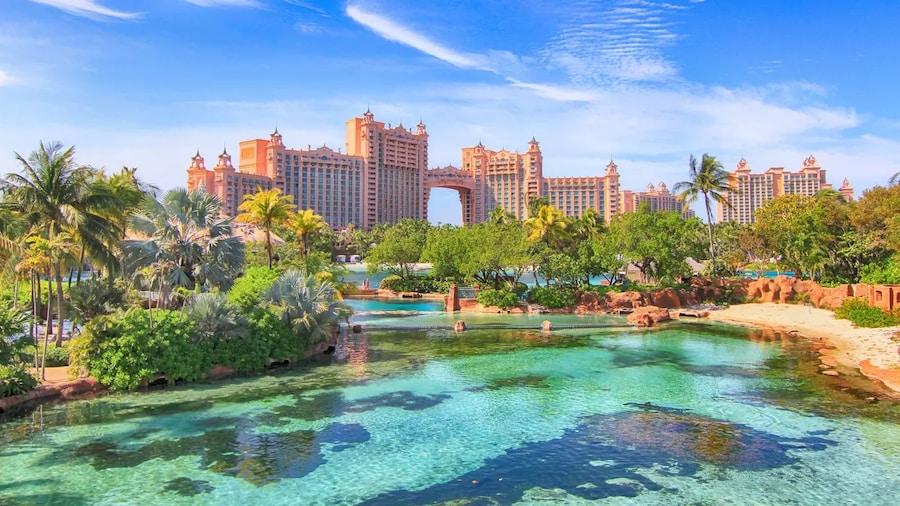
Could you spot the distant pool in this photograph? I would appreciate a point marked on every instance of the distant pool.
(683, 414)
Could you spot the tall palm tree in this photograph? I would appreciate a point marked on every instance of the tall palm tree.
(308, 303)
(305, 224)
(710, 180)
(549, 226)
(55, 195)
(500, 216)
(895, 179)
(185, 243)
(266, 208)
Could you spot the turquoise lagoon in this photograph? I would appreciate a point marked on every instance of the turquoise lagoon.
(409, 412)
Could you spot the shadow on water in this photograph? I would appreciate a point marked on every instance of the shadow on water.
(9, 495)
(333, 404)
(602, 457)
(240, 452)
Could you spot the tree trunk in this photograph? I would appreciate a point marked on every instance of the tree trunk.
(35, 309)
(269, 246)
(59, 305)
(16, 291)
(80, 267)
(709, 224)
(47, 329)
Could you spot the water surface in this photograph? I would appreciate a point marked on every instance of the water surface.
(684, 414)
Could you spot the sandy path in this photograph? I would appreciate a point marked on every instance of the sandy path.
(871, 350)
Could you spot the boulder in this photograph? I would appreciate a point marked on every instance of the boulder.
(648, 315)
(623, 300)
(667, 298)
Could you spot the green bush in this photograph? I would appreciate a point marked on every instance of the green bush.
(123, 351)
(862, 315)
(418, 284)
(552, 297)
(56, 357)
(16, 380)
(503, 299)
(248, 289)
(884, 272)
(269, 338)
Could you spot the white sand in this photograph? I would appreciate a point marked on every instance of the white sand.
(853, 344)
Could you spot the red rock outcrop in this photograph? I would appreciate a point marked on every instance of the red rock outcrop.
(648, 315)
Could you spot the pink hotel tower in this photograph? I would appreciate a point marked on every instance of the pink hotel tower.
(383, 177)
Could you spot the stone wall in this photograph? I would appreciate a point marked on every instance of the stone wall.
(781, 289)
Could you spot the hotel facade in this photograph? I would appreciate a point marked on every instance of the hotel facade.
(750, 192)
(380, 178)
(657, 198)
(383, 177)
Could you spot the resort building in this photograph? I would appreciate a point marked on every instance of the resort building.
(751, 191)
(657, 198)
(380, 179)
(492, 179)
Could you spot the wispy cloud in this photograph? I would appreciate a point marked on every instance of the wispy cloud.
(397, 33)
(557, 93)
(494, 61)
(624, 41)
(307, 5)
(225, 3)
(4, 78)
(88, 9)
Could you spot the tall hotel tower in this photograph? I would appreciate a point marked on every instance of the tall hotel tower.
(380, 179)
(751, 191)
(512, 180)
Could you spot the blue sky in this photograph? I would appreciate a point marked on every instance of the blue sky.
(144, 83)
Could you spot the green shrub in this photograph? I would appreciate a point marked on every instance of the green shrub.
(16, 380)
(884, 272)
(248, 289)
(552, 297)
(123, 351)
(56, 357)
(503, 299)
(269, 338)
(418, 284)
(862, 315)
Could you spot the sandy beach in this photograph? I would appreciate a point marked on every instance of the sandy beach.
(872, 351)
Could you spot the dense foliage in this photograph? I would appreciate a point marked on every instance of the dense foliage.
(418, 283)
(134, 349)
(248, 289)
(862, 315)
(552, 298)
(502, 298)
(15, 380)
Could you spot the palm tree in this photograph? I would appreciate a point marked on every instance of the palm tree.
(56, 195)
(500, 216)
(895, 179)
(549, 226)
(266, 208)
(185, 243)
(589, 227)
(215, 318)
(305, 224)
(711, 181)
(309, 304)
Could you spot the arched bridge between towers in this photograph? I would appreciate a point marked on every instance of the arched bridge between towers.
(454, 179)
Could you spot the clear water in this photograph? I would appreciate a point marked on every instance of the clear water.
(684, 414)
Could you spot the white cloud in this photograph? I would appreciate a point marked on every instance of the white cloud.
(226, 3)
(88, 8)
(4, 78)
(397, 33)
(554, 92)
(599, 43)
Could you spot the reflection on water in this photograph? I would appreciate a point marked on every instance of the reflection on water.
(684, 413)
